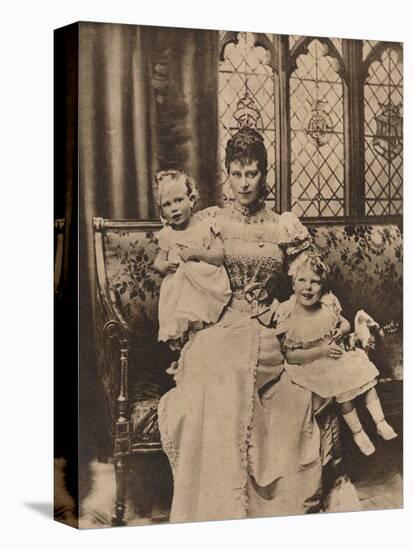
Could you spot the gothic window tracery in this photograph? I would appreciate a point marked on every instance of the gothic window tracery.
(313, 151)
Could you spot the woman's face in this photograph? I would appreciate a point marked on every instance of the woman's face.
(245, 181)
(307, 287)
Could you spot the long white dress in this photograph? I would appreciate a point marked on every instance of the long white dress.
(241, 438)
(197, 292)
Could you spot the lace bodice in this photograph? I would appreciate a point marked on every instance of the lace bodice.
(255, 246)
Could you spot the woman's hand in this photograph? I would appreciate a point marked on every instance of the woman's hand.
(338, 335)
(172, 266)
(342, 330)
(213, 256)
(189, 253)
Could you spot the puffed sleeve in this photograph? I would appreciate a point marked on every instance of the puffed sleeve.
(211, 227)
(163, 238)
(330, 300)
(208, 213)
(294, 237)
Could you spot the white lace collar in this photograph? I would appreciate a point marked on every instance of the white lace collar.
(301, 330)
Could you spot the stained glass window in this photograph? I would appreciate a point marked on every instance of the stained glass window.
(316, 181)
(383, 144)
(245, 75)
(317, 135)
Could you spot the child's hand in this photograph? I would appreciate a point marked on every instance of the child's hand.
(331, 351)
(173, 260)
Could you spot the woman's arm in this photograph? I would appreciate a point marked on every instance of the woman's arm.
(301, 356)
(213, 253)
(342, 329)
(214, 256)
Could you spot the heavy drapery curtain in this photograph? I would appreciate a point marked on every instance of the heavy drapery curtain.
(147, 101)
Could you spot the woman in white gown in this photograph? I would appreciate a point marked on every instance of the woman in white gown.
(241, 438)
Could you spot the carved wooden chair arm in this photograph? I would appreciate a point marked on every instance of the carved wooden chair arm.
(116, 337)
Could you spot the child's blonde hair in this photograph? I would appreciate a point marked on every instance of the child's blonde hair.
(312, 260)
(163, 177)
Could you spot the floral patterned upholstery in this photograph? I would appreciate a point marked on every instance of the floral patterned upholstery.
(367, 273)
(129, 256)
(366, 266)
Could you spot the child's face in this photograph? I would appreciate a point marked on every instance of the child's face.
(245, 182)
(307, 287)
(176, 205)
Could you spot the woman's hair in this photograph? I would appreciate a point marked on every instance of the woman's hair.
(165, 177)
(246, 146)
(313, 261)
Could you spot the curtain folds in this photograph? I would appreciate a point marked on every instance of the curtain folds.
(147, 101)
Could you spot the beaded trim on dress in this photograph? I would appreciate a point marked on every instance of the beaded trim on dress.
(246, 427)
(255, 213)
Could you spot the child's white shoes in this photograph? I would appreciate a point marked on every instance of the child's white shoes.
(385, 431)
(363, 442)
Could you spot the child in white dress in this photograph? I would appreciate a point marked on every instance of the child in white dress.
(196, 287)
(312, 328)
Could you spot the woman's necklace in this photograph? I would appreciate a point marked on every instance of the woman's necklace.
(255, 214)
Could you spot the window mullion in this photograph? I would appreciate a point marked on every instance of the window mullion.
(283, 163)
(354, 129)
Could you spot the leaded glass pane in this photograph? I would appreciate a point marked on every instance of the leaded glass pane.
(383, 140)
(293, 39)
(368, 45)
(338, 43)
(317, 135)
(245, 73)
